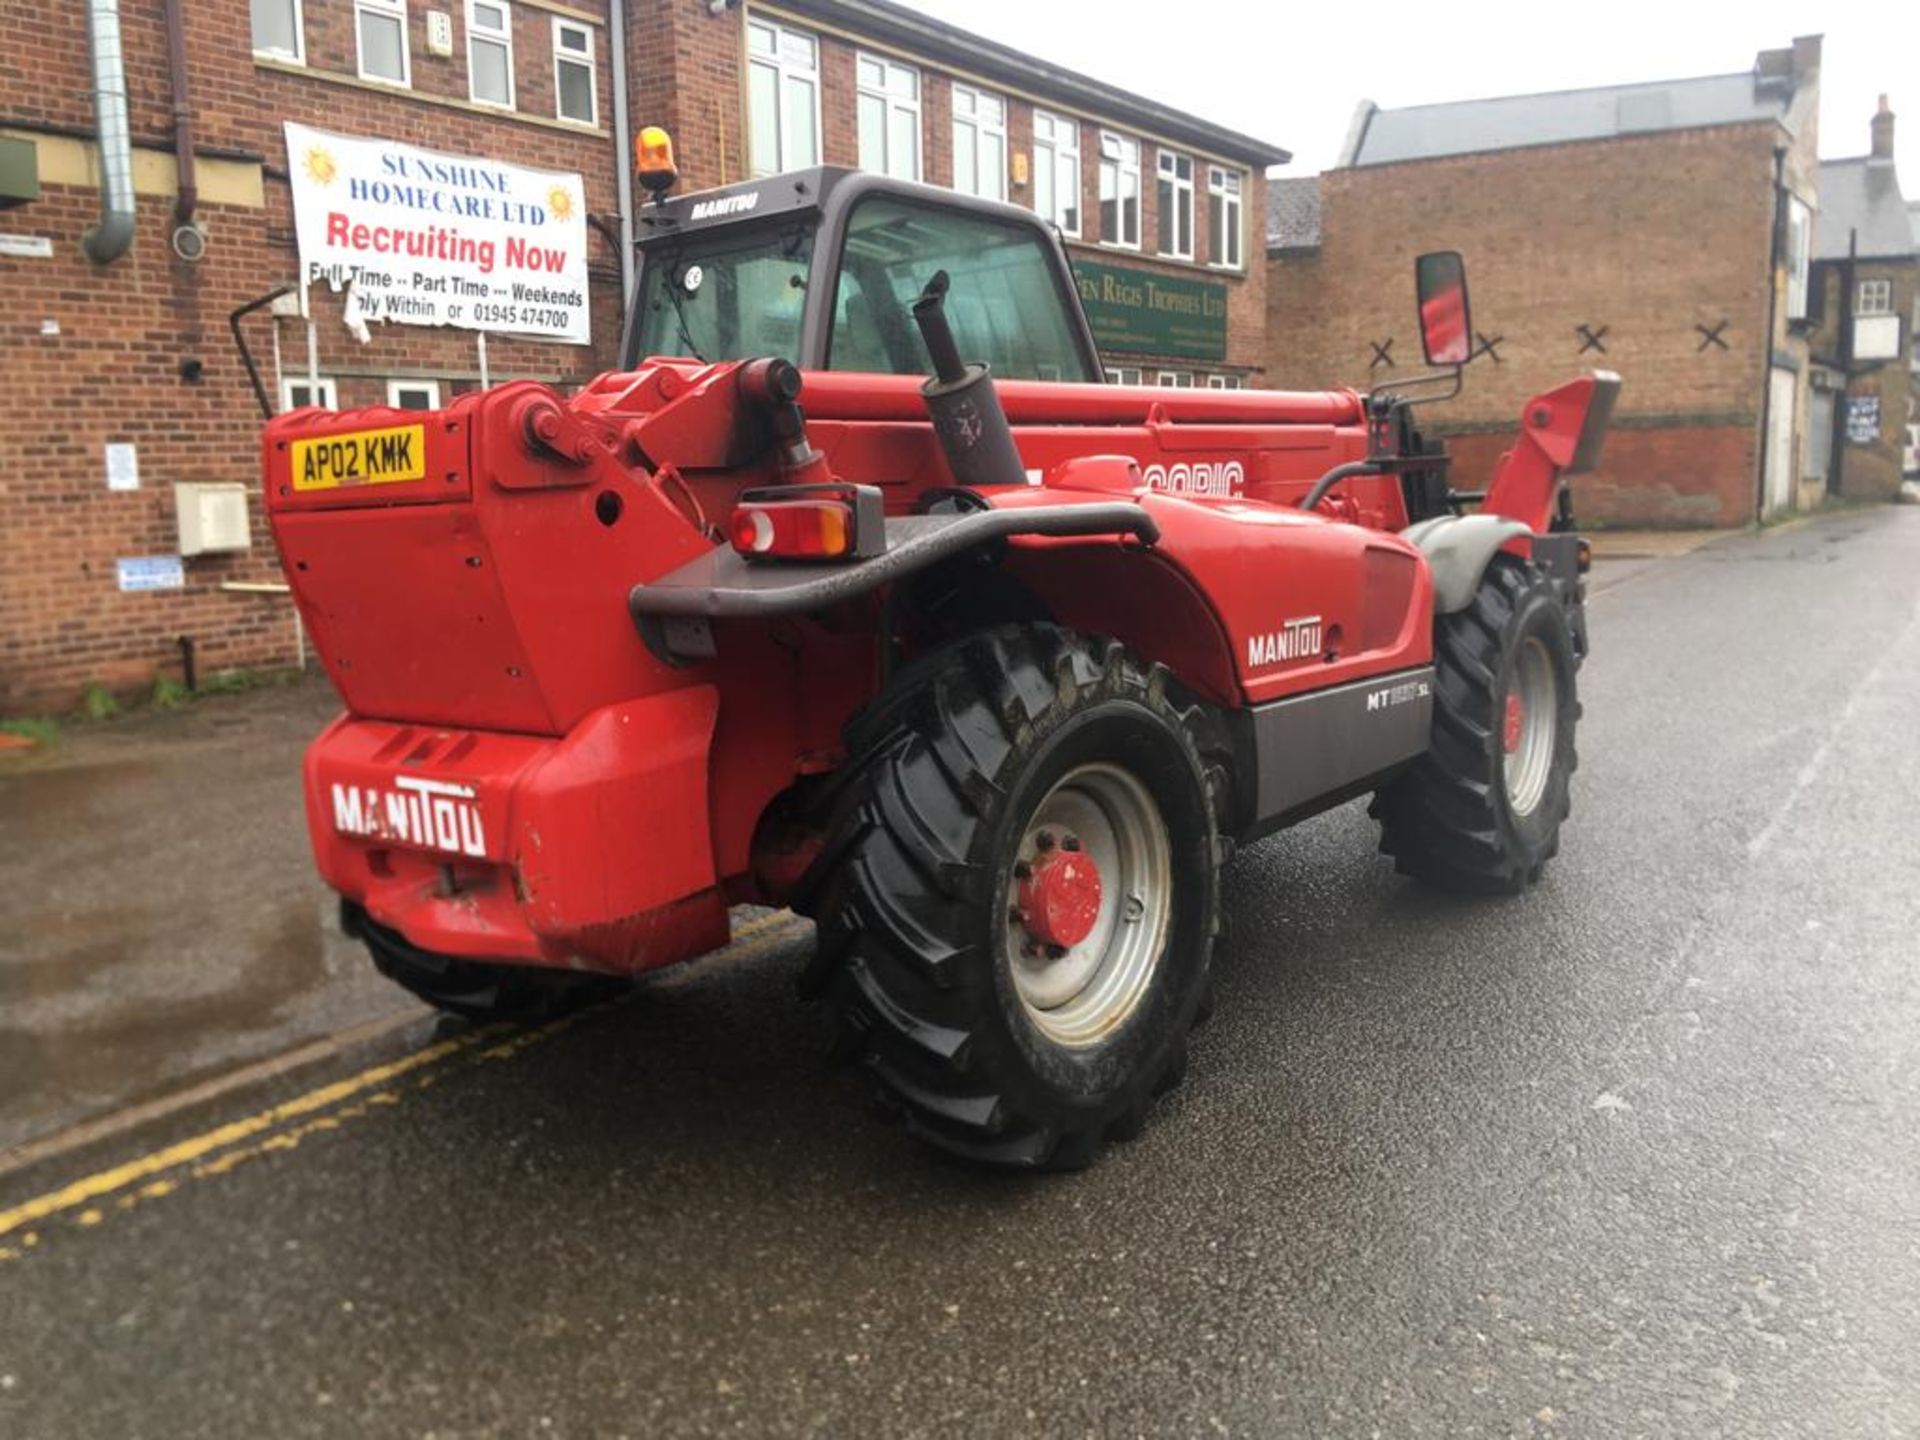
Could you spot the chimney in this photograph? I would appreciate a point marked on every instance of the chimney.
(1883, 133)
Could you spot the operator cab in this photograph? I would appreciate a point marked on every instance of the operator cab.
(822, 266)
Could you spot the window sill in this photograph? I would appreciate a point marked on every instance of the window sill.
(422, 97)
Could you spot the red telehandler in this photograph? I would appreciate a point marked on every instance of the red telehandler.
(985, 670)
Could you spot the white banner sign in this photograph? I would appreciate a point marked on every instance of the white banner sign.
(428, 239)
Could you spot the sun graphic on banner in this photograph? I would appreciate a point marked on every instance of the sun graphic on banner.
(560, 202)
(319, 165)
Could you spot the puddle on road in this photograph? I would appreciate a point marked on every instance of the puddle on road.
(118, 1006)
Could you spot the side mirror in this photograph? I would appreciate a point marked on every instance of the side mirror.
(1446, 326)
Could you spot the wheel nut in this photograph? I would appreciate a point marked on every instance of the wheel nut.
(1072, 843)
(1022, 870)
(1044, 840)
(1028, 949)
(1055, 952)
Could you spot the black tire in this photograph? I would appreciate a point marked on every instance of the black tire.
(471, 989)
(914, 891)
(1450, 819)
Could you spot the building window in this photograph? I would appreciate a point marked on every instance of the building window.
(1225, 222)
(979, 143)
(1056, 170)
(887, 116)
(1873, 297)
(380, 27)
(490, 53)
(277, 30)
(1124, 375)
(1174, 204)
(1174, 379)
(1119, 191)
(1799, 256)
(413, 394)
(298, 390)
(783, 98)
(1224, 382)
(576, 85)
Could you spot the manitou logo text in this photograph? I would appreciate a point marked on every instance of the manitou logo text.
(725, 205)
(1291, 641)
(436, 814)
(1202, 477)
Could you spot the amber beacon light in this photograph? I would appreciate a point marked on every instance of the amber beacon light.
(653, 160)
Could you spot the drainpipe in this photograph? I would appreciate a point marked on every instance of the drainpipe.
(188, 197)
(622, 137)
(109, 240)
(1782, 213)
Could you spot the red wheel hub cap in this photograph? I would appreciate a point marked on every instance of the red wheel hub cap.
(1060, 898)
(1516, 722)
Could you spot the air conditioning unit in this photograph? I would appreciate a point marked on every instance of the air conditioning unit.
(213, 518)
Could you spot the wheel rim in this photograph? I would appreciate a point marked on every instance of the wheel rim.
(1528, 727)
(1090, 897)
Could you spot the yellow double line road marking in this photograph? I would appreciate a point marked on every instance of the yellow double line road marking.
(319, 1109)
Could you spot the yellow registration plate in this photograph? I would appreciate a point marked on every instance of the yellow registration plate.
(364, 457)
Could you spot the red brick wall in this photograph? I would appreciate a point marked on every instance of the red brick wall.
(1646, 235)
(1650, 477)
(112, 371)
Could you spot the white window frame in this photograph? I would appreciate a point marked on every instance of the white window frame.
(502, 38)
(1232, 200)
(1174, 379)
(1873, 297)
(1124, 163)
(982, 129)
(429, 388)
(889, 103)
(394, 10)
(1058, 157)
(590, 62)
(1124, 375)
(1225, 382)
(325, 384)
(784, 71)
(1799, 255)
(298, 56)
(1167, 179)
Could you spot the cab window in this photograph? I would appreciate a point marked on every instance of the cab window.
(725, 295)
(1005, 303)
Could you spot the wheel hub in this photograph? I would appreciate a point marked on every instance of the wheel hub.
(1089, 903)
(1059, 897)
(1529, 722)
(1516, 722)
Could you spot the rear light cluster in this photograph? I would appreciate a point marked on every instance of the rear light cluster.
(809, 522)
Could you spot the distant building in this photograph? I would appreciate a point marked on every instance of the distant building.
(1863, 312)
(1661, 230)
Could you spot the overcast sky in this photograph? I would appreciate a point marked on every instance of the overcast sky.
(1292, 73)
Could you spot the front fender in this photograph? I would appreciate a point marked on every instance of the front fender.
(1458, 549)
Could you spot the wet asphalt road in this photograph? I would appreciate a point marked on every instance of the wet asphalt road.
(1637, 1154)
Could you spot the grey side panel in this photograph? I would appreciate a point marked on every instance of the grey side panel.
(1458, 549)
(1319, 744)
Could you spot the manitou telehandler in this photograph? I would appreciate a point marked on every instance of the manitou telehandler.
(985, 672)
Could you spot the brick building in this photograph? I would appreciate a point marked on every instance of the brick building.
(1659, 230)
(1863, 309)
(120, 373)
